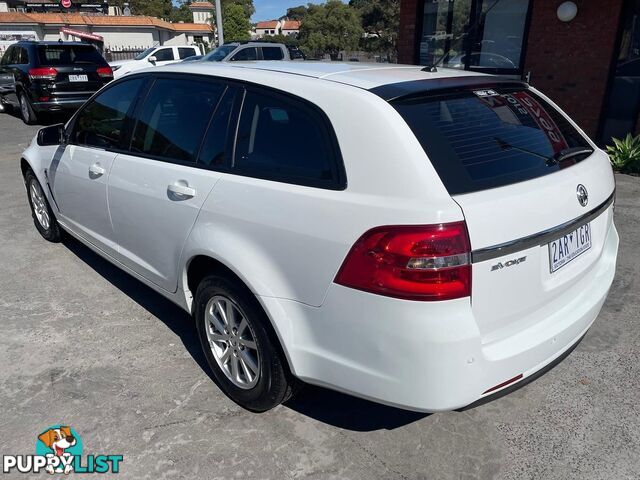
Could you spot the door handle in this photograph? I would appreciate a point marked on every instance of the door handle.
(182, 189)
(96, 170)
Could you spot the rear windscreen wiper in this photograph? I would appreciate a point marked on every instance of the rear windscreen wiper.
(561, 156)
(568, 153)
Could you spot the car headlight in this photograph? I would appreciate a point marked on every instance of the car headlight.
(116, 67)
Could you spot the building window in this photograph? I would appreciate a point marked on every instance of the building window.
(481, 35)
(623, 103)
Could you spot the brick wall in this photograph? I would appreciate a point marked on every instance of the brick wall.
(407, 34)
(570, 61)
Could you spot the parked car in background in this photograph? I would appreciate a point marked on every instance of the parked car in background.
(421, 239)
(253, 50)
(40, 77)
(154, 57)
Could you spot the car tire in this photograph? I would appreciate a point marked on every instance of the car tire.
(273, 383)
(26, 110)
(43, 217)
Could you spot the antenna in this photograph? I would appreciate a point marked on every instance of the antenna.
(434, 66)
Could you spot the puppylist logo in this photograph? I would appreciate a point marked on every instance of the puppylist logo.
(59, 450)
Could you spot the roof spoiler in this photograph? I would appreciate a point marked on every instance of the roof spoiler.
(403, 90)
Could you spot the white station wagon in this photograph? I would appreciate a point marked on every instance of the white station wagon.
(422, 239)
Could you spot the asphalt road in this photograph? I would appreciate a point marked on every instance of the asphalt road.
(84, 344)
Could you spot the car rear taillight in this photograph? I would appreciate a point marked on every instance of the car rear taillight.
(427, 263)
(43, 73)
(105, 72)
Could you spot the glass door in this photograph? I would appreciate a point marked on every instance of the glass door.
(623, 103)
(480, 35)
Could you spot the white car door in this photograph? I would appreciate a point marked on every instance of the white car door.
(165, 56)
(79, 176)
(156, 191)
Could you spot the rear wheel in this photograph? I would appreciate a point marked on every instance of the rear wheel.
(43, 217)
(26, 110)
(239, 346)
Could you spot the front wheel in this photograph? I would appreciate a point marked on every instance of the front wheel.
(239, 346)
(43, 217)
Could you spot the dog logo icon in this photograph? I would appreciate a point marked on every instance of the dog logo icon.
(59, 441)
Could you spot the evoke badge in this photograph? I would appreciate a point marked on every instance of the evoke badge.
(583, 196)
(508, 263)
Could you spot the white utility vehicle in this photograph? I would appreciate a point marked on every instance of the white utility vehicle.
(154, 57)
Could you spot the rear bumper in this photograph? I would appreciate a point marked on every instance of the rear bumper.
(59, 104)
(428, 356)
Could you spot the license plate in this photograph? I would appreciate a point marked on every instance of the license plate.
(78, 78)
(566, 248)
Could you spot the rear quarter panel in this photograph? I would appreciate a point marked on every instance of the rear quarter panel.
(288, 241)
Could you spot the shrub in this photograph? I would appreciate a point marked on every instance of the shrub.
(625, 154)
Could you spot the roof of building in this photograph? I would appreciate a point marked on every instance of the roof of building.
(267, 24)
(361, 75)
(291, 25)
(106, 20)
(192, 27)
(207, 5)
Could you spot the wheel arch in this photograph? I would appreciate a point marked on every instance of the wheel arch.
(202, 264)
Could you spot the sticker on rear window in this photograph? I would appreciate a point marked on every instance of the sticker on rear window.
(486, 93)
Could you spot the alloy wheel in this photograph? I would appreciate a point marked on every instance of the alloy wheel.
(39, 205)
(232, 341)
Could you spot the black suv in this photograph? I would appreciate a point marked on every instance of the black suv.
(39, 77)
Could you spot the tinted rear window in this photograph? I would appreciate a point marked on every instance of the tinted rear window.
(52, 55)
(489, 138)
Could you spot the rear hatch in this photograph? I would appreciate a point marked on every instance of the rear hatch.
(80, 70)
(535, 196)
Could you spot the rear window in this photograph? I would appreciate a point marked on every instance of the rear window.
(52, 55)
(272, 53)
(488, 138)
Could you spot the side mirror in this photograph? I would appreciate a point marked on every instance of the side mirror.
(151, 59)
(53, 135)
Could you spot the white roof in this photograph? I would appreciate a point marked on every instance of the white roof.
(361, 75)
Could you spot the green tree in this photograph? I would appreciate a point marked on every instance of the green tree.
(330, 28)
(296, 13)
(381, 23)
(286, 39)
(247, 6)
(181, 13)
(235, 23)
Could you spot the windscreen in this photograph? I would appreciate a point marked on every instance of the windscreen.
(143, 54)
(219, 53)
(52, 55)
(488, 138)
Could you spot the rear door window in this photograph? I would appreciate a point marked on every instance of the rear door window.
(285, 139)
(185, 52)
(22, 56)
(272, 53)
(53, 55)
(488, 138)
(173, 118)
